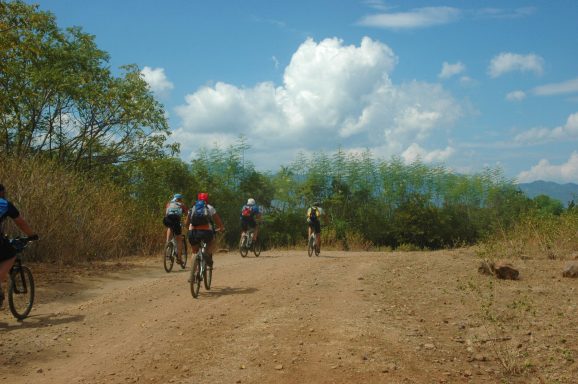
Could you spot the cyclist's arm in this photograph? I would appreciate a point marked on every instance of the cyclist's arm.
(219, 222)
(23, 225)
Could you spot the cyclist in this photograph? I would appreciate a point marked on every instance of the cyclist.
(314, 213)
(175, 211)
(250, 214)
(201, 221)
(7, 252)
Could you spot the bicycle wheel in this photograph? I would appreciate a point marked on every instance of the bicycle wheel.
(310, 245)
(207, 277)
(243, 249)
(21, 292)
(257, 247)
(169, 258)
(195, 279)
(184, 256)
(317, 250)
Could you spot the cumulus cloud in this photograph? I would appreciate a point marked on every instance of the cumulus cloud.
(449, 70)
(563, 173)
(157, 80)
(570, 86)
(416, 152)
(540, 135)
(516, 96)
(416, 18)
(332, 95)
(507, 62)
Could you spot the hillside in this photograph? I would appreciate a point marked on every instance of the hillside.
(563, 192)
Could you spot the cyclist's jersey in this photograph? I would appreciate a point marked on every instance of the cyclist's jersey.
(7, 209)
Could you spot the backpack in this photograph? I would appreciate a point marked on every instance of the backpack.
(174, 208)
(247, 211)
(313, 213)
(199, 213)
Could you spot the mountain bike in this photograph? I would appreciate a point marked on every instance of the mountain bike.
(311, 245)
(21, 286)
(200, 271)
(171, 253)
(248, 243)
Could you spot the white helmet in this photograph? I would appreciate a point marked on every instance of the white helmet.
(251, 201)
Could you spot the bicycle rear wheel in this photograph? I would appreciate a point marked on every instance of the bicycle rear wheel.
(257, 247)
(21, 292)
(243, 249)
(310, 245)
(207, 276)
(195, 279)
(169, 257)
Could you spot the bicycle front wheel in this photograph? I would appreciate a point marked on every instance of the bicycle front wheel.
(257, 247)
(243, 249)
(21, 292)
(195, 279)
(207, 277)
(169, 258)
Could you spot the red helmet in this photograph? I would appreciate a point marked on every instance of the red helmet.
(203, 196)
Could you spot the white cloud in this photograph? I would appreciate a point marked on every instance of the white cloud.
(570, 86)
(332, 95)
(540, 135)
(449, 70)
(416, 18)
(516, 96)
(157, 80)
(416, 152)
(508, 62)
(563, 173)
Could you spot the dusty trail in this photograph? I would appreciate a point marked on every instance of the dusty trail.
(282, 317)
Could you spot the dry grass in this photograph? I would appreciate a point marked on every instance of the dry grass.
(78, 219)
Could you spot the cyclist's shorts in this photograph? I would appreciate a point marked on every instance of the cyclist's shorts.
(315, 225)
(7, 251)
(248, 222)
(174, 223)
(196, 235)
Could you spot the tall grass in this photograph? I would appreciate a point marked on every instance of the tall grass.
(78, 219)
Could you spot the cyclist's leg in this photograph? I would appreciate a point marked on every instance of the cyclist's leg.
(177, 229)
(211, 245)
(193, 241)
(318, 234)
(255, 230)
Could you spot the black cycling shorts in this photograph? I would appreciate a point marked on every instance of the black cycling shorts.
(7, 251)
(174, 223)
(315, 225)
(248, 222)
(196, 235)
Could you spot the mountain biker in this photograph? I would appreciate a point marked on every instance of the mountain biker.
(201, 220)
(250, 214)
(7, 252)
(314, 213)
(175, 212)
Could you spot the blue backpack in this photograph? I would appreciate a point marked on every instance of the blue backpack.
(199, 213)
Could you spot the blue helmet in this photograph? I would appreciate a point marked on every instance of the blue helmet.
(177, 196)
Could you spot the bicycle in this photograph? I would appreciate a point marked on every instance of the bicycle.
(171, 253)
(311, 245)
(200, 271)
(21, 286)
(247, 244)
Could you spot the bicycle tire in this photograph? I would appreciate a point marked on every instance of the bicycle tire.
(243, 249)
(257, 247)
(21, 292)
(317, 251)
(184, 256)
(195, 279)
(169, 257)
(310, 245)
(207, 277)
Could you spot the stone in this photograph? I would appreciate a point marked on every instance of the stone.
(571, 269)
(505, 270)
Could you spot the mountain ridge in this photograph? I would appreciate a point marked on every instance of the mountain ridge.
(562, 192)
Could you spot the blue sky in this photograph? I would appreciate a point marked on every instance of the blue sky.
(469, 84)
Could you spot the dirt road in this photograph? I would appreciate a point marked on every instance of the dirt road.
(287, 318)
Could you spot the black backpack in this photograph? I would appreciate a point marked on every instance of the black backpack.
(199, 213)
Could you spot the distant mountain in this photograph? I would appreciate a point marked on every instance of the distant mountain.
(562, 192)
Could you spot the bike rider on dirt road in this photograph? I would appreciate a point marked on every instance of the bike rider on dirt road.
(201, 221)
(250, 215)
(175, 211)
(7, 252)
(314, 213)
